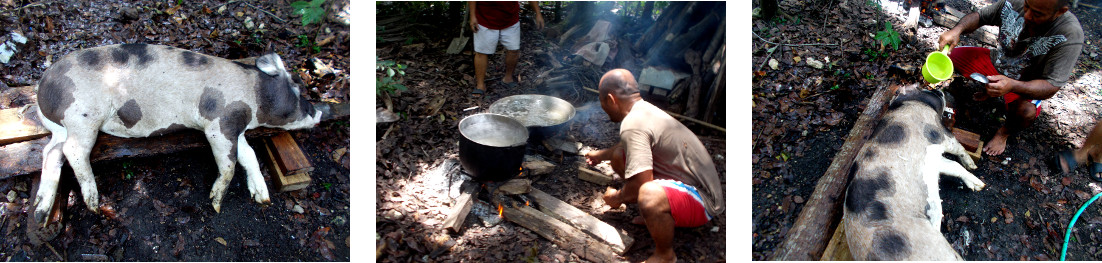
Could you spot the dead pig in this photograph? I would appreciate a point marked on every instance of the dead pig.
(139, 90)
(892, 209)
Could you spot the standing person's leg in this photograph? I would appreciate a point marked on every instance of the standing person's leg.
(510, 38)
(485, 43)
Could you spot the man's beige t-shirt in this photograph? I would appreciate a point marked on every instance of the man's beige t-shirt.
(655, 141)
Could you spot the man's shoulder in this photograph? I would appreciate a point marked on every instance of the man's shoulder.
(1069, 26)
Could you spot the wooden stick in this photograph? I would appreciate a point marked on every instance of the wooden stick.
(808, 237)
(593, 176)
(679, 116)
(461, 207)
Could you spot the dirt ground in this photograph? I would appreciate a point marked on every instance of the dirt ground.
(414, 198)
(802, 114)
(161, 209)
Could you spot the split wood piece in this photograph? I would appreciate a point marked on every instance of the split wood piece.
(462, 206)
(592, 176)
(292, 168)
(109, 147)
(618, 239)
(537, 166)
(18, 125)
(971, 142)
(808, 237)
(838, 249)
(516, 187)
(565, 145)
(562, 234)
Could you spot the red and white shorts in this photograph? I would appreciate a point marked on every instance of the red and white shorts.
(685, 204)
(967, 60)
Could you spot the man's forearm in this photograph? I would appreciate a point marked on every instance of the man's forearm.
(470, 8)
(968, 24)
(535, 6)
(1038, 89)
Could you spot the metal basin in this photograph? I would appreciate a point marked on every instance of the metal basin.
(543, 115)
(492, 146)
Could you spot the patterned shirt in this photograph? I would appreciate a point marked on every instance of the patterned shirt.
(1048, 52)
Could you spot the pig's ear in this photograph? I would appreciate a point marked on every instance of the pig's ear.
(270, 64)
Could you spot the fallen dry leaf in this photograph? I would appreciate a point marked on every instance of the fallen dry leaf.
(220, 240)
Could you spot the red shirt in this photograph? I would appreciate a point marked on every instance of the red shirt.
(497, 15)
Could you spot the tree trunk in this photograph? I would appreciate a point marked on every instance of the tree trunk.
(659, 27)
(648, 12)
(674, 42)
(558, 12)
(717, 39)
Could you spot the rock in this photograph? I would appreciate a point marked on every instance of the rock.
(814, 63)
(382, 115)
(798, 199)
(11, 196)
(773, 63)
(339, 153)
(249, 23)
(298, 209)
(715, 229)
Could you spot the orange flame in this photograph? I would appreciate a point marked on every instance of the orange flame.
(499, 209)
(526, 203)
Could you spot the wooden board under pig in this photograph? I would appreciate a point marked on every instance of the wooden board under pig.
(811, 233)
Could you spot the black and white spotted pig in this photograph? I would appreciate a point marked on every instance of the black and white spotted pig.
(892, 208)
(138, 90)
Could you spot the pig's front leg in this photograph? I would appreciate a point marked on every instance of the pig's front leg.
(225, 157)
(247, 158)
(52, 158)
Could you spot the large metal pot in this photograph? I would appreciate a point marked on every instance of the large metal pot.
(543, 115)
(492, 146)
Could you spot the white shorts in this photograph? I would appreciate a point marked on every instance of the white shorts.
(485, 40)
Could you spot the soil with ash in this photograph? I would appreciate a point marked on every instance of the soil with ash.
(802, 115)
(158, 208)
(414, 197)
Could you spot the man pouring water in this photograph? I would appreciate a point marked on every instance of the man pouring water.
(667, 171)
(1039, 42)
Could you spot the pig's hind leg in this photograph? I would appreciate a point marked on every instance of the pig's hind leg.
(77, 147)
(247, 158)
(52, 159)
(951, 168)
(952, 146)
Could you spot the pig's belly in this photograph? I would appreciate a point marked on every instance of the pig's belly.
(144, 128)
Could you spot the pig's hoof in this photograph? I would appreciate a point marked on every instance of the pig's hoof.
(217, 207)
(976, 186)
(40, 214)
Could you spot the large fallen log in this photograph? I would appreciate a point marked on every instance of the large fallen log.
(26, 157)
(809, 236)
(562, 234)
(618, 239)
(949, 18)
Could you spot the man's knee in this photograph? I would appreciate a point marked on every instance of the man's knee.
(652, 197)
(1023, 110)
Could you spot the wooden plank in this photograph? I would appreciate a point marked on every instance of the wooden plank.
(461, 208)
(593, 176)
(18, 125)
(971, 143)
(283, 180)
(837, 249)
(516, 187)
(618, 239)
(289, 156)
(562, 234)
(808, 237)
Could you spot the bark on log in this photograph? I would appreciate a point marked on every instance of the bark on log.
(618, 239)
(718, 90)
(562, 234)
(692, 109)
(949, 18)
(809, 236)
(658, 29)
(665, 39)
(717, 40)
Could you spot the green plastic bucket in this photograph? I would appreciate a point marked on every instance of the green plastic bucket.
(938, 66)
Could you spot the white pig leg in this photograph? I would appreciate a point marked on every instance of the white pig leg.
(247, 158)
(225, 157)
(952, 146)
(951, 168)
(52, 158)
(77, 148)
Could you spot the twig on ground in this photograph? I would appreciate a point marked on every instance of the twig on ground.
(54, 250)
(783, 44)
(39, 3)
(281, 21)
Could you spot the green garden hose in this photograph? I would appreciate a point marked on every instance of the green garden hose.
(1067, 235)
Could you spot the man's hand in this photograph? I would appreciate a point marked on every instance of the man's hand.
(539, 21)
(474, 24)
(612, 197)
(594, 157)
(950, 38)
(999, 85)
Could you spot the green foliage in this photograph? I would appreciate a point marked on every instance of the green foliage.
(305, 42)
(888, 36)
(835, 87)
(875, 54)
(126, 169)
(387, 83)
(311, 11)
(873, 3)
(326, 186)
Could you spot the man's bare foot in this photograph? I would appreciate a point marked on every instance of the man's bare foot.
(997, 144)
(638, 220)
(669, 257)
